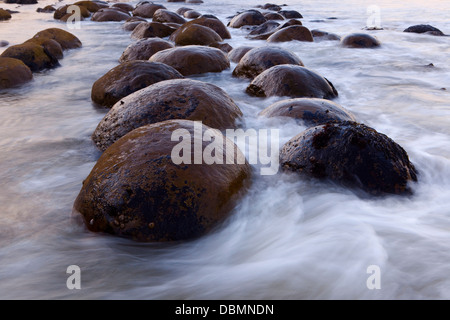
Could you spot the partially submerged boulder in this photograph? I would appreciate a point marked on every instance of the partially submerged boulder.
(151, 29)
(4, 15)
(194, 34)
(147, 9)
(13, 73)
(247, 18)
(212, 23)
(236, 54)
(143, 49)
(360, 40)
(323, 35)
(31, 54)
(64, 38)
(109, 14)
(295, 32)
(424, 28)
(163, 15)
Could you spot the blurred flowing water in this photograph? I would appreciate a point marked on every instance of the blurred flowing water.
(286, 239)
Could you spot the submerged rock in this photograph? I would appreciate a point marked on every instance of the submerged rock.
(236, 54)
(291, 81)
(273, 16)
(129, 195)
(247, 18)
(13, 73)
(4, 15)
(52, 47)
(194, 34)
(212, 23)
(147, 10)
(64, 38)
(92, 6)
(189, 60)
(163, 15)
(360, 40)
(31, 54)
(108, 14)
(291, 14)
(129, 77)
(124, 6)
(151, 29)
(144, 49)
(192, 14)
(295, 32)
(171, 99)
(62, 12)
(351, 154)
(424, 28)
(323, 35)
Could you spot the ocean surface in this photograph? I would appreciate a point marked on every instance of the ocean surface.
(287, 238)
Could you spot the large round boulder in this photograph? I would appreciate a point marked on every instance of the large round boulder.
(424, 28)
(163, 15)
(273, 16)
(143, 49)
(194, 34)
(290, 14)
(147, 10)
(267, 28)
(260, 59)
(64, 38)
(291, 81)
(192, 14)
(182, 10)
(247, 18)
(31, 54)
(140, 189)
(92, 6)
(323, 35)
(129, 77)
(4, 15)
(108, 14)
(360, 40)
(124, 6)
(236, 54)
(50, 45)
(310, 111)
(211, 23)
(172, 99)
(151, 30)
(189, 60)
(13, 73)
(62, 11)
(295, 32)
(351, 154)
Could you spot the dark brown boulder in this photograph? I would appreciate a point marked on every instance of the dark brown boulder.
(273, 16)
(62, 11)
(194, 34)
(291, 81)
(189, 60)
(360, 40)
(182, 10)
(4, 15)
(46, 9)
(265, 28)
(67, 16)
(351, 154)
(163, 15)
(13, 73)
(311, 111)
(194, 1)
(257, 60)
(166, 100)
(128, 194)
(52, 47)
(211, 23)
(323, 35)
(192, 14)
(4, 43)
(127, 78)
(291, 22)
(147, 10)
(107, 14)
(64, 38)
(131, 25)
(31, 54)
(291, 14)
(124, 6)
(151, 30)
(247, 18)
(92, 6)
(424, 28)
(271, 6)
(236, 54)
(296, 32)
(144, 49)
(224, 47)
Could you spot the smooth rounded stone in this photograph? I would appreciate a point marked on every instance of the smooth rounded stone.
(291, 22)
(424, 28)
(136, 19)
(189, 60)
(271, 6)
(4, 15)
(62, 11)
(224, 47)
(291, 81)
(21, 1)
(137, 191)
(351, 154)
(131, 25)
(107, 14)
(147, 10)
(291, 14)
(50, 45)
(194, 1)
(143, 49)
(194, 34)
(124, 6)
(323, 35)
(360, 40)
(175, 0)
(210, 16)
(151, 30)
(166, 100)
(174, 25)
(31, 54)
(212, 23)
(299, 33)
(92, 6)
(192, 14)
(236, 54)
(67, 16)
(247, 18)
(260, 59)
(311, 111)
(64, 38)
(273, 16)
(266, 27)
(13, 73)
(4, 43)
(163, 15)
(182, 10)
(46, 9)
(129, 77)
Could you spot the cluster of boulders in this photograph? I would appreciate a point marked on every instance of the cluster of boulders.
(40, 52)
(137, 190)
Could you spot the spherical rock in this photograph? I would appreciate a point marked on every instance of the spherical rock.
(128, 193)
(131, 25)
(53, 48)
(182, 10)
(144, 49)
(211, 23)
(323, 35)
(192, 14)
(257, 60)
(4, 15)
(291, 81)
(224, 47)
(64, 38)
(194, 34)
(360, 40)
(127, 78)
(351, 154)
(13, 73)
(151, 30)
(4, 43)
(163, 15)
(273, 16)
(424, 28)
(311, 111)
(247, 18)
(296, 32)
(62, 11)
(124, 6)
(31, 54)
(290, 14)
(189, 60)
(265, 28)
(92, 6)
(107, 14)
(291, 22)
(147, 10)
(171, 99)
(236, 54)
